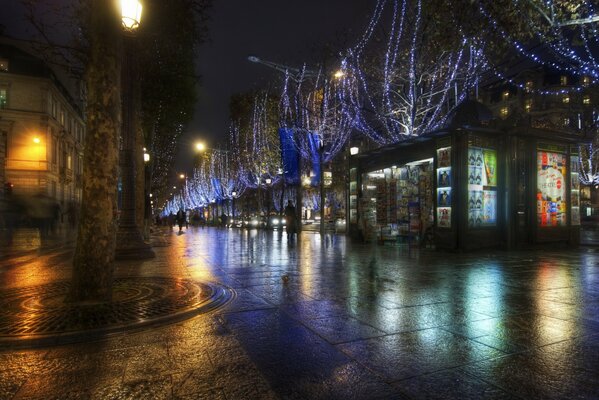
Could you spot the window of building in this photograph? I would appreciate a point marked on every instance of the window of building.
(504, 111)
(566, 121)
(505, 95)
(586, 81)
(69, 162)
(3, 98)
(528, 105)
(54, 107)
(529, 85)
(566, 99)
(3, 65)
(586, 99)
(563, 80)
(62, 116)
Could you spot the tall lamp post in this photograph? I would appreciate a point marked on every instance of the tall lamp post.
(130, 243)
(233, 195)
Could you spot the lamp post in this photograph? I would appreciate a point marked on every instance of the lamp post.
(130, 243)
(233, 196)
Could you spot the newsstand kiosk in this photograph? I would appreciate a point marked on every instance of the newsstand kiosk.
(489, 189)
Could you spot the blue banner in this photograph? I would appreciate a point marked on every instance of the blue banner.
(290, 157)
(314, 142)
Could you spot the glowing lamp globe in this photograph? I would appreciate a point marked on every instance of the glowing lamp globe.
(131, 14)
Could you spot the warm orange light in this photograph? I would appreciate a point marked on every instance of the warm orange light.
(200, 146)
(36, 140)
(131, 14)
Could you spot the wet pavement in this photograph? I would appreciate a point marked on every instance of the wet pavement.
(314, 320)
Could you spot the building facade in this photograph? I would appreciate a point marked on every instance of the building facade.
(41, 129)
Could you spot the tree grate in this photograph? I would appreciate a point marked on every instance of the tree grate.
(39, 315)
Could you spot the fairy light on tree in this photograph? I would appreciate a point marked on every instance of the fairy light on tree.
(411, 85)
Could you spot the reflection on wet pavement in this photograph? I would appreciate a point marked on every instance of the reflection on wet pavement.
(333, 319)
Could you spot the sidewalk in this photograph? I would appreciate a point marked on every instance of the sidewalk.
(333, 320)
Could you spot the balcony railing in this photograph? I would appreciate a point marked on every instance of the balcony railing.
(33, 165)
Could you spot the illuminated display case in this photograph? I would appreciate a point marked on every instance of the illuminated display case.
(482, 182)
(552, 199)
(574, 186)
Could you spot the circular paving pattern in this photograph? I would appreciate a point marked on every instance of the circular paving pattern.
(38, 315)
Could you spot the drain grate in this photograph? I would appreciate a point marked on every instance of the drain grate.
(38, 315)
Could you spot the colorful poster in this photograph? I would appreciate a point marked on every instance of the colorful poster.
(444, 217)
(490, 207)
(551, 189)
(444, 157)
(444, 177)
(482, 187)
(490, 160)
(444, 197)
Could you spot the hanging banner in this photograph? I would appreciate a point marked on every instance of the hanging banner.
(314, 142)
(290, 157)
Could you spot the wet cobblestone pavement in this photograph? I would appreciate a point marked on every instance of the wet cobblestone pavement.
(333, 320)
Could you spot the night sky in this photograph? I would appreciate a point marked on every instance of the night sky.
(281, 31)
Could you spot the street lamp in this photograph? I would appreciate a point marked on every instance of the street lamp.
(131, 14)
(130, 242)
(233, 196)
(200, 146)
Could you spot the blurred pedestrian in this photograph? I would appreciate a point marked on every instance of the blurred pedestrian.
(171, 220)
(290, 220)
(181, 219)
(223, 220)
(41, 212)
(11, 212)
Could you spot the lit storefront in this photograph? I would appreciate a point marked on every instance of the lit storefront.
(468, 188)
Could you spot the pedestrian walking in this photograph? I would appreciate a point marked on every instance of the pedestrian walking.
(181, 219)
(11, 211)
(290, 220)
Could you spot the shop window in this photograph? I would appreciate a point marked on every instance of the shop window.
(504, 112)
(566, 99)
(586, 100)
(482, 182)
(397, 202)
(551, 185)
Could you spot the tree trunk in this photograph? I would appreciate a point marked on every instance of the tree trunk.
(94, 253)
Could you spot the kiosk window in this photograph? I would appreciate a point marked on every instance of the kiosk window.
(482, 185)
(551, 188)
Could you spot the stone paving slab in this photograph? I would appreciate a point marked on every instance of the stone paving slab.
(348, 322)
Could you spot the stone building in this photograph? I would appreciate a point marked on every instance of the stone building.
(41, 128)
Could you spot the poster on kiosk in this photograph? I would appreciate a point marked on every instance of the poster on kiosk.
(551, 189)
